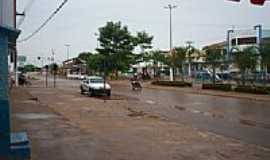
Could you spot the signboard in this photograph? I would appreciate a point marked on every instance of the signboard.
(21, 60)
(7, 13)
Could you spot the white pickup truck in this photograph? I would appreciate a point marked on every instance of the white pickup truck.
(94, 85)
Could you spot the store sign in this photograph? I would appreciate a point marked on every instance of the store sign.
(7, 13)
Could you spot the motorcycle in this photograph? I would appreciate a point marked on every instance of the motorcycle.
(136, 85)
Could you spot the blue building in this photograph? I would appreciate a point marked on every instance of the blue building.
(12, 145)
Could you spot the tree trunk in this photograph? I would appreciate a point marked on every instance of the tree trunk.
(214, 74)
(264, 75)
(243, 77)
(182, 73)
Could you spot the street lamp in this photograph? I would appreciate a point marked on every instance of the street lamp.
(189, 43)
(259, 34)
(67, 45)
(96, 35)
(229, 43)
(171, 7)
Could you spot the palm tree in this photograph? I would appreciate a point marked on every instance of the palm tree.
(192, 54)
(214, 57)
(177, 59)
(157, 57)
(246, 60)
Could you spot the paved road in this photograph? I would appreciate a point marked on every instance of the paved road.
(242, 119)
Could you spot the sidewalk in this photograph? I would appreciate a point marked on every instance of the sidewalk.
(197, 90)
(52, 137)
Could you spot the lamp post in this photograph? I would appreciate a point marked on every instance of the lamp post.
(171, 7)
(229, 43)
(67, 45)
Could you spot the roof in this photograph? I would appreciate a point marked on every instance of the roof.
(94, 77)
(219, 45)
(74, 59)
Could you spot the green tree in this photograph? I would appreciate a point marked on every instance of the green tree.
(29, 68)
(177, 59)
(192, 54)
(214, 57)
(246, 60)
(265, 58)
(95, 63)
(116, 46)
(84, 55)
(144, 40)
(156, 57)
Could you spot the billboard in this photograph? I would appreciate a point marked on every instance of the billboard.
(7, 13)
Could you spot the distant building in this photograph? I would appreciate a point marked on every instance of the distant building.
(240, 39)
(74, 66)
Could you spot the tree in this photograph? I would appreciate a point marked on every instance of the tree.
(116, 46)
(84, 55)
(177, 59)
(246, 61)
(214, 57)
(144, 40)
(192, 53)
(29, 68)
(95, 63)
(265, 58)
(156, 57)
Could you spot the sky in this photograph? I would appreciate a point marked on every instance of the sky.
(200, 21)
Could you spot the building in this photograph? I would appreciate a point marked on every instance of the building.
(240, 39)
(12, 145)
(74, 66)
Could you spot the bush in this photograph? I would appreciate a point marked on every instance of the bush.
(252, 89)
(222, 87)
(172, 83)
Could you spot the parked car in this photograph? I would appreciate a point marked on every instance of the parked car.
(205, 76)
(225, 76)
(95, 85)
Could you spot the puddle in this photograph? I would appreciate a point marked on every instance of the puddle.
(247, 122)
(150, 102)
(114, 97)
(180, 108)
(29, 102)
(33, 116)
(254, 123)
(33, 99)
(134, 113)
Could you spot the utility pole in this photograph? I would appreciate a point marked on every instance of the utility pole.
(67, 45)
(171, 7)
(54, 68)
(189, 43)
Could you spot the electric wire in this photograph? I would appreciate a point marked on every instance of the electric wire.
(25, 10)
(44, 23)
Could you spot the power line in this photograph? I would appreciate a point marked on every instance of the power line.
(26, 9)
(44, 23)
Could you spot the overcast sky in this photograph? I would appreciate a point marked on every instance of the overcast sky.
(200, 21)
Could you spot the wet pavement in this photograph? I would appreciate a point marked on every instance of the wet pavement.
(242, 119)
(153, 124)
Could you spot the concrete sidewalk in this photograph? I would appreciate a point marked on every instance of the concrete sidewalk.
(197, 90)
